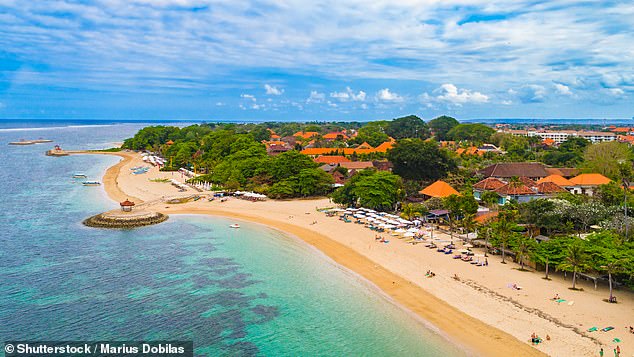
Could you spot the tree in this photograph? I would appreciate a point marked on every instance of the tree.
(373, 133)
(502, 229)
(411, 210)
(607, 158)
(523, 247)
(311, 182)
(416, 159)
(547, 253)
(575, 260)
(459, 206)
(410, 126)
(477, 133)
(379, 190)
(441, 126)
(490, 199)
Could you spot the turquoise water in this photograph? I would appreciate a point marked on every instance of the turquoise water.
(252, 291)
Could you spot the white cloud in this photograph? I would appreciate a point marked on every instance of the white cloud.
(331, 104)
(2, 105)
(450, 94)
(616, 92)
(273, 90)
(386, 96)
(563, 89)
(249, 96)
(220, 104)
(316, 97)
(349, 95)
(530, 93)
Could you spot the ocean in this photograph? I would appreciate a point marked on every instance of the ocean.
(249, 292)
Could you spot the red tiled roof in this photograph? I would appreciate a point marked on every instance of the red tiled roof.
(515, 189)
(489, 183)
(526, 181)
(549, 187)
(510, 169)
(306, 135)
(127, 203)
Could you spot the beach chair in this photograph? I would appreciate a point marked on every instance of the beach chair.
(593, 329)
(606, 329)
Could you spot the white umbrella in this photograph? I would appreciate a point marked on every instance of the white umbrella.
(409, 234)
(400, 230)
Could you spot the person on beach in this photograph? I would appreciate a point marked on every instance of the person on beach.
(601, 352)
(556, 297)
(618, 350)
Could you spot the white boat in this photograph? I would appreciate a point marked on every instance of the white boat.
(80, 175)
(91, 183)
(235, 225)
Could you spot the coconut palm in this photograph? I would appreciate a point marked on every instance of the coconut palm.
(575, 261)
(524, 247)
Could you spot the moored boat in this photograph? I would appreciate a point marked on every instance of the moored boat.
(80, 175)
(91, 183)
(235, 225)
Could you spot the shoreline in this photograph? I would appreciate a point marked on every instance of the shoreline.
(468, 333)
(478, 312)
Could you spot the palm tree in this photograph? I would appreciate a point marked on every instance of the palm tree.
(503, 231)
(524, 249)
(612, 263)
(575, 261)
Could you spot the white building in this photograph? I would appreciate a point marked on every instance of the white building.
(563, 135)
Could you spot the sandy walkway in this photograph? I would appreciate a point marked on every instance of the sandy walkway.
(464, 309)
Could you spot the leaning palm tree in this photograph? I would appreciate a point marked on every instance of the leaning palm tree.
(613, 263)
(575, 261)
(503, 231)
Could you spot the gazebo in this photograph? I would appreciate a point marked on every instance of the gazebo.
(126, 206)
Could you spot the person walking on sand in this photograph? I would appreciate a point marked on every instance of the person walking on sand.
(601, 352)
(618, 350)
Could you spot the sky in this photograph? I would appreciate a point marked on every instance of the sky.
(316, 60)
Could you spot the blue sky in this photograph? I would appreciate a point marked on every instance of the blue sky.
(307, 60)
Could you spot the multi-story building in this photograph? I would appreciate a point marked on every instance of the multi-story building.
(559, 136)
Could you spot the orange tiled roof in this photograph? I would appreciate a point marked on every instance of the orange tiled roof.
(388, 145)
(548, 141)
(347, 151)
(332, 159)
(439, 189)
(557, 180)
(620, 130)
(590, 180)
(275, 136)
(306, 134)
(365, 145)
(460, 151)
(486, 217)
(335, 135)
(626, 138)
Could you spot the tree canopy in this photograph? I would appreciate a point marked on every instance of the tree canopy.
(415, 159)
(441, 126)
(379, 190)
(477, 133)
(410, 126)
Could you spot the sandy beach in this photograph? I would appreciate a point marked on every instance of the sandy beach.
(478, 310)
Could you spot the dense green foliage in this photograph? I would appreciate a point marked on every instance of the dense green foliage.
(410, 126)
(476, 133)
(378, 190)
(415, 159)
(568, 154)
(441, 126)
(373, 133)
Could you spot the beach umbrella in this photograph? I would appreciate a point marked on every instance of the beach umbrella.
(409, 234)
(400, 230)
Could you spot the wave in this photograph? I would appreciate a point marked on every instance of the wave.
(55, 127)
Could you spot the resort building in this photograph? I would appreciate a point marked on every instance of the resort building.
(560, 136)
(439, 189)
(331, 159)
(586, 184)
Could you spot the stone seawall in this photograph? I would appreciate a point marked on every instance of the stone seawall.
(118, 219)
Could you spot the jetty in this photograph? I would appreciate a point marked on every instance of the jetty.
(57, 151)
(125, 219)
(30, 142)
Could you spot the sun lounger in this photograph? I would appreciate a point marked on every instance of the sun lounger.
(592, 329)
(606, 329)
(560, 300)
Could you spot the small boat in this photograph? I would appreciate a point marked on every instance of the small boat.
(91, 183)
(235, 225)
(80, 175)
